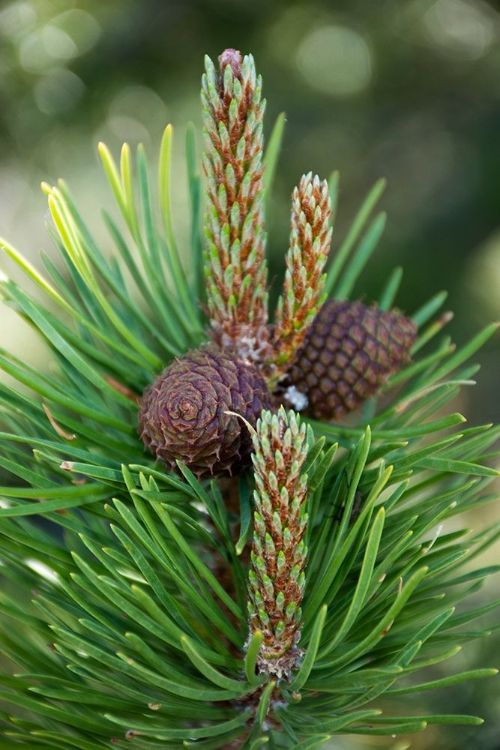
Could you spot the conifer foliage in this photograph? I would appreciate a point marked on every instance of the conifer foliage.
(214, 569)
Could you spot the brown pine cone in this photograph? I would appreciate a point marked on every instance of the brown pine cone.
(348, 353)
(182, 413)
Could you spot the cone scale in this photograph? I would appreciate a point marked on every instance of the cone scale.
(348, 354)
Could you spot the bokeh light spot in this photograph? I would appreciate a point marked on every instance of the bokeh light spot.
(57, 43)
(462, 28)
(58, 91)
(64, 37)
(83, 28)
(16, 18)
(135, 112)
(335, 60)
(33, 54)
(129, 128)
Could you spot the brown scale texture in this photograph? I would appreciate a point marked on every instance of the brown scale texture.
(182, 413)
(348, 353)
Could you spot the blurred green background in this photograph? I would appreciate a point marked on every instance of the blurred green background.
(405, 90)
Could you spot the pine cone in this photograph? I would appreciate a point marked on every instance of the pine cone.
(348, 353)
(182, 413)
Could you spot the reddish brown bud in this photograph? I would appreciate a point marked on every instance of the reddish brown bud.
(233, 58)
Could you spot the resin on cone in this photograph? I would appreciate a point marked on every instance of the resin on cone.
(349, 352)
(183, 417)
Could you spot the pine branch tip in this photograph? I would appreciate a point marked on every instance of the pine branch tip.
(335, 540)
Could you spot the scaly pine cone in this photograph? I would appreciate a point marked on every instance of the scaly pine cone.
(182, 413)
(348, 353)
